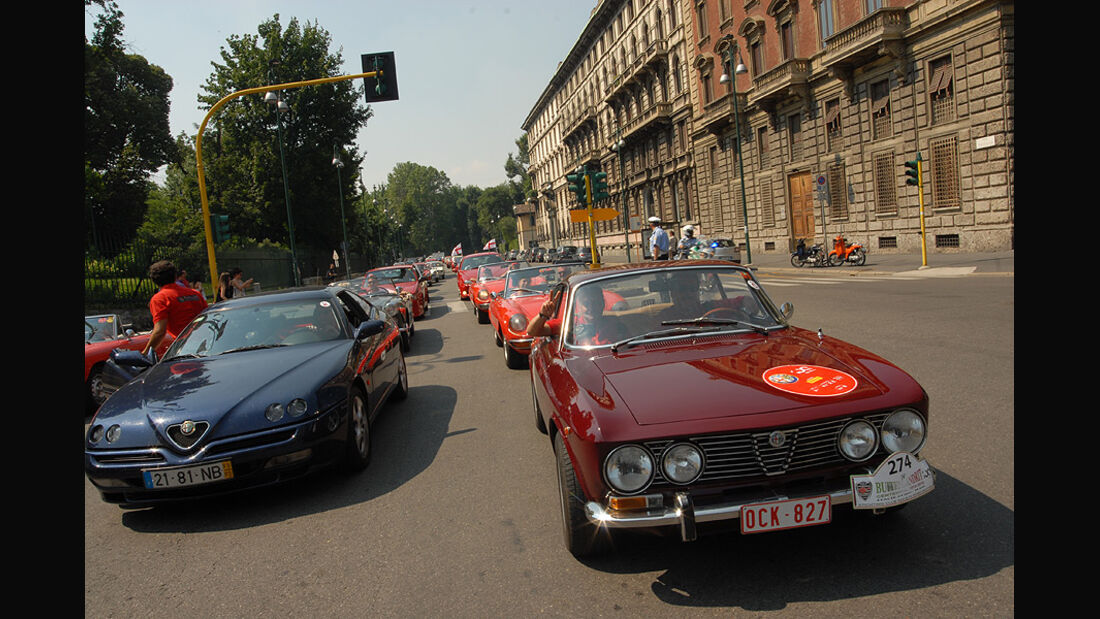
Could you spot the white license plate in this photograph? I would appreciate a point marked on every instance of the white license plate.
(789, 514)
(188, 475)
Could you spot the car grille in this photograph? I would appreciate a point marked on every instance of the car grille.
(750, 455)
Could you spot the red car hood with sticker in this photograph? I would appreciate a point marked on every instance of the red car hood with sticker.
(723, 377)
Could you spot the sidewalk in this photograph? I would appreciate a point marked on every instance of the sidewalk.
(948, 264)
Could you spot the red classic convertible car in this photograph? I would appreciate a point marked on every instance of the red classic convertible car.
(466, 271)
(696, 406)
(102, 334)
(401, 277)
(525, 290)
(489, 281)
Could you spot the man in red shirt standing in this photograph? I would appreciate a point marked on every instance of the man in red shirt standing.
(173, 306)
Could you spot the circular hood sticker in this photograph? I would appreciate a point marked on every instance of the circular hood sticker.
(812, 380)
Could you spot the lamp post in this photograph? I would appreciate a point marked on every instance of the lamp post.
(340, 189)
(726, 78)
(280, 107)
(552, 213)
(618, 148)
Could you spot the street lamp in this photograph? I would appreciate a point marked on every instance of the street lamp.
(732, 81)
(552, 213)
(281, 107)
(618, 148)
(340, 189)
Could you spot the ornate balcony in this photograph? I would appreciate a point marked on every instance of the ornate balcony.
(654, 115)
(574, 123)
(718, 114)
(881, 33)
(788, 80)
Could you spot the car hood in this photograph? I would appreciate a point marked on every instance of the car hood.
(229, 391)
(723, 379)
(527, 305)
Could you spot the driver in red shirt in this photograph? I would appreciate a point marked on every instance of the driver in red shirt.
(173, 306)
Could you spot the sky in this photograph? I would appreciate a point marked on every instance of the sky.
(469, 71)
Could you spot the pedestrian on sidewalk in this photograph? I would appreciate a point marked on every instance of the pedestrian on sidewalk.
(173, 306)
(240, 285)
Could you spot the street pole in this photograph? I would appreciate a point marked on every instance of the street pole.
(343, 224)
(737, 130)
(618, 148)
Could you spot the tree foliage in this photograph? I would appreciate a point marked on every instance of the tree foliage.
(241, 154)
(126, 130)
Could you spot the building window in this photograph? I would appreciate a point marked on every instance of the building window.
(786, 39)
(941, 90)
(762, 146)
(873, 5)
(884, 171)
(880, 110)
(794, 136)
(767, 210)
(713, 155)
(756, 57)
(833, 137)
(945, 172)
(826, 19)
(701, 21)
(838, 190)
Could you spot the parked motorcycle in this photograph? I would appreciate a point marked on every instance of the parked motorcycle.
(814, 256)
(844, 253)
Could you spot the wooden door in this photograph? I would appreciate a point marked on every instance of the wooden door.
(800, 190)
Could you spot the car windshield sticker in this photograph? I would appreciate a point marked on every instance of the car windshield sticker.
(899, 479)
(812, 380)
(324, 303)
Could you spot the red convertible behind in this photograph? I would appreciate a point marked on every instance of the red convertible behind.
(102, 334)
(525, 290)
(466, 270)
(694, 406)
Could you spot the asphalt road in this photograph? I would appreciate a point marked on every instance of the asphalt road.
(457, 514)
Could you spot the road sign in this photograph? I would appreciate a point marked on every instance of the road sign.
(580, 215)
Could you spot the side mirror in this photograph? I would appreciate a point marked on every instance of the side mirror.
(787, 309)
(125, 356)
(368, 328)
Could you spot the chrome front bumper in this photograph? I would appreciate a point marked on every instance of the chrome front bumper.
(685, 514)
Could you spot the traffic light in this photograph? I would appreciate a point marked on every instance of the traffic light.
(577, 185)
(382, 87)
(599, 186)
(220, 227)
(912, 171)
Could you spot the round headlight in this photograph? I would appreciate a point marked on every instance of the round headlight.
(903, 431)
(113, 433)
(858, 440)
(518, 323)
(483, 295)
(96, 434)
(628, 468)
(274, 412)
(297, 407)
(682, 463)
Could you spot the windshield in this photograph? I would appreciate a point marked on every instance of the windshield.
(281, 323)
(473, 262)
(498, 270)
(537, 280)
(386, 277)
(100, 328)
(667, 303)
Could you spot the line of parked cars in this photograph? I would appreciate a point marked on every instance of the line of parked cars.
(674, 396)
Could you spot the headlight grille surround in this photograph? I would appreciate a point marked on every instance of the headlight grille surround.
(629, 469)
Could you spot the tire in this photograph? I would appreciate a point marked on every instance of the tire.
(405, 343)
(401, 389)
(482, 317)
(835, 260)
(582, 538)
(96, 397)
(357, 456)
(497, 339)
(513, 359)
(540, 425)
(860, 258)
(796, 261)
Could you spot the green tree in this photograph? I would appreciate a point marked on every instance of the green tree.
(126, 130)
(420, 199)
(241, 155)
(516, 168)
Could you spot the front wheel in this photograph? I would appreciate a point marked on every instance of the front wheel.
(357, 456)
(797, 261)
(835, 260)
(582, 538)
(513, 359)
(858, 257)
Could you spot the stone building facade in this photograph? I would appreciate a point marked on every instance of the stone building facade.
(837, 95)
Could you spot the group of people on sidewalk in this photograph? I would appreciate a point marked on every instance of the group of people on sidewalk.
(659, 242)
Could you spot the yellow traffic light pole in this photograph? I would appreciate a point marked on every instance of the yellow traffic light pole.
(920, 198)
(198, 148)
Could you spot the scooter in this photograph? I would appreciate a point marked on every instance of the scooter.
(846, 253)
(814, 256)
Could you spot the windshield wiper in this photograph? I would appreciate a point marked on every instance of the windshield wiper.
(719, 321)
(256, 347)
(183, 356)
(661, 333)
